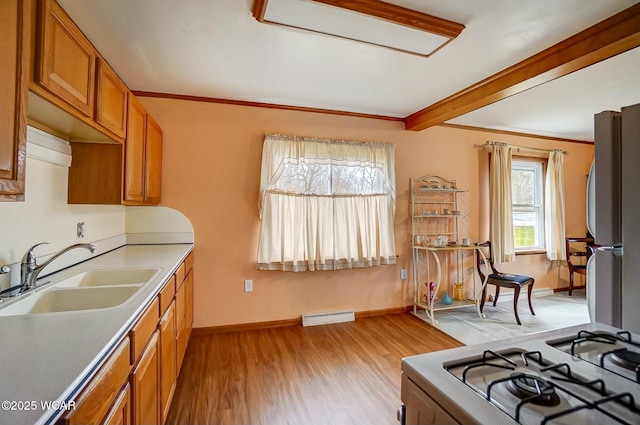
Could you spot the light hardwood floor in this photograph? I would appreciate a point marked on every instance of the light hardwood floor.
(347, 373)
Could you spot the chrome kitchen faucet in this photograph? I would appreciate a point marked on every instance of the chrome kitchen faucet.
(29, 269)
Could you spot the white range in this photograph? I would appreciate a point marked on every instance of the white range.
(586, 374)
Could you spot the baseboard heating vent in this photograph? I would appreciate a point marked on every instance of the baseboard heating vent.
(327, 318)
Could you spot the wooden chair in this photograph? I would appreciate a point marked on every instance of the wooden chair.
(503, 280)
(572, 257)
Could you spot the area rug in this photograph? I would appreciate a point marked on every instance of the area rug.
(552, 312)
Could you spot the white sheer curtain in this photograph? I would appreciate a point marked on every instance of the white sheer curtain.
(326, 204)
(501, 228)
(554, 211)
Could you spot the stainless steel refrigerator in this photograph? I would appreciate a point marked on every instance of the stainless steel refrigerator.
(613, 218)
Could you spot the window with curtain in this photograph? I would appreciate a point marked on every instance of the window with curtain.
(326, 204)
(527, 212)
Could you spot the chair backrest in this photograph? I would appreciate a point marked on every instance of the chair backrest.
(480, 261)
(575, 253)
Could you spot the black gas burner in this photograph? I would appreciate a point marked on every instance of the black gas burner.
(533, 388)
(626, 358)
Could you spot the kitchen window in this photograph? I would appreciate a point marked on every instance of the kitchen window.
(326, 204)
(527, 194)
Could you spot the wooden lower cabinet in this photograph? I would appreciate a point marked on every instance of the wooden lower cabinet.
(168, 370)
(145, 384)
(137, 382)
(97, 398)
(184, 310)
(181, 324)
(120, 413)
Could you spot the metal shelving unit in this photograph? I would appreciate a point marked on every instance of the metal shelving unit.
(435, 215)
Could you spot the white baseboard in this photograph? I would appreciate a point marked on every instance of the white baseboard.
(327, 318)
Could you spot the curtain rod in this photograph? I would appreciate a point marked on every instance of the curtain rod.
(322, 140)
(491, 143)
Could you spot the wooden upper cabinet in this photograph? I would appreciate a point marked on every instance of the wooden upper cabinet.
(143, 157)
(111, 100)
(15, 51)
(153, 162)
(134, 152)
(66, 63)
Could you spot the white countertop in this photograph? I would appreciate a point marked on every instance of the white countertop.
(48, 357)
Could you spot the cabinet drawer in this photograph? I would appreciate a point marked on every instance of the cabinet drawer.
(180, 274)
(167, 294)
(189, 262)
(94, 401)
(143, 330)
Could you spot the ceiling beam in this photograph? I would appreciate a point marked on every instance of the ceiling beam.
(399, 15)
(604, 40)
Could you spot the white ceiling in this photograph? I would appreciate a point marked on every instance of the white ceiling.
(215, 48)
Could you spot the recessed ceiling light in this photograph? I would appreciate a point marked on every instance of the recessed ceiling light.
(368, 21)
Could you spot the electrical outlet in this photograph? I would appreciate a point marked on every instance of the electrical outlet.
(80, 229)
(403, 274)
(248, 285)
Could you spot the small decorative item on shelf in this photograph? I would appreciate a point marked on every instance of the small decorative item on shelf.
(446, 299)
(441, 241)
(458, 291)
(433, 297)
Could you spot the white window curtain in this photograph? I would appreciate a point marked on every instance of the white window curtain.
(326, 204)
(501, 226)
(554, 206)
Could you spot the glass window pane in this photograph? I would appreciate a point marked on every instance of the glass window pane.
(527, 189)
(522, 186)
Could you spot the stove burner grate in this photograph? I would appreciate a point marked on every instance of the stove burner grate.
(626, 358)
(533, 389)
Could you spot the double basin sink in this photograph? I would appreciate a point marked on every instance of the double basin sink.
(91, 290)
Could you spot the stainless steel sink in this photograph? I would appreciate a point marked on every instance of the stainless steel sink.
(110, 277)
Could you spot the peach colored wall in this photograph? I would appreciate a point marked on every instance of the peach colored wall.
(211, 171)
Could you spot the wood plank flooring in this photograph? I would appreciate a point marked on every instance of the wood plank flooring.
(347, 373)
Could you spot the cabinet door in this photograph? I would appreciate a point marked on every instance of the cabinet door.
(168, 356)
(134, 151)
(145, 384)
(422, 410)
(14, 66)
(181, 335)
(111, 100)
(189, 307)
(120, 413)
(153, 162)
(66, 59)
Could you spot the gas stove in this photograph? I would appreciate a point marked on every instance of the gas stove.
(585, 374)
(617, 352)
